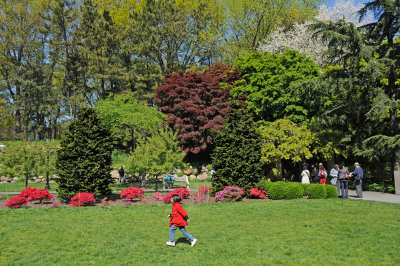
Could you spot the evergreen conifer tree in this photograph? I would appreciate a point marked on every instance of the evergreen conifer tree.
(237, 154)
(84, 160)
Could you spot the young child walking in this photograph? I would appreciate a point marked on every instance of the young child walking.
(179, 219)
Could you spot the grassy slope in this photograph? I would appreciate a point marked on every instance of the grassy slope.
(256, 233)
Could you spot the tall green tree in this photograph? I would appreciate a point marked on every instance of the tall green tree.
(24, 71)
(236, 158)
(363, 84)
(84, 159)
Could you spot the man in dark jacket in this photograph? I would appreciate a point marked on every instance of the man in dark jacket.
(358, 175)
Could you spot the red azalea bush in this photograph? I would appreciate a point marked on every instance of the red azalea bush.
(132, 193)
(158, 196)
(28, 192)
(184, 193)
(257, 193)
(82, 199)
(32, 193)
(167, 198)
(40, 195)
(229, 193)
(16, 202)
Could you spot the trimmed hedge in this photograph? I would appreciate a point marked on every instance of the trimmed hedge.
(306, 187)
(264, 184)
(289, 190)
(277, 190)
(316, 191)
(294, 191)
(331, 191)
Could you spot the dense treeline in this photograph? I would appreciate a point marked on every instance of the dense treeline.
(334, 101)
(59, 55)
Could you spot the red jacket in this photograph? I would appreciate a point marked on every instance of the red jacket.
(178, 215)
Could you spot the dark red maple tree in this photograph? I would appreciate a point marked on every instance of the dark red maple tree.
(196, 104)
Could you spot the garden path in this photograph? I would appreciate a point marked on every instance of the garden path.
(376, 196)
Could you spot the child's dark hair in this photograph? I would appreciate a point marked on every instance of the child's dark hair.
(176, 198)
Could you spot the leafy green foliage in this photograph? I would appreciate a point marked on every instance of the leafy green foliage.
(284, 139)
(365, 83)
(294, 191)
(264, 184)
(84, 160)
(267, 83)
(277, 190)
(128, 119)
(28, 159)
(237, 154)
(331, 191)
(316, 191)
(158, 154)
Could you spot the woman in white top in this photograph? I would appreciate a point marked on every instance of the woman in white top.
(305, 175)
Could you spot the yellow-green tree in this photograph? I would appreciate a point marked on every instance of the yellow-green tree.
(284, 140)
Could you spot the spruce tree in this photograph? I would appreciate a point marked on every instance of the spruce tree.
(237, 154)
(84, 160)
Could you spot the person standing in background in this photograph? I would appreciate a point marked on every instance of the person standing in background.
(314, 175)
(343, 176)
(322, 173)
(334, 177)
(305, 175)
(358, 175)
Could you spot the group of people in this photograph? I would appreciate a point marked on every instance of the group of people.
(339, 177)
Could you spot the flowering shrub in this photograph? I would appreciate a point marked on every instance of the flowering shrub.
(201, 194)
(128, 202)
(258, 193)
(184, 193)
(28, 192)
(229, 193)
(132, 193)
(16, 202)
(167, 198)
(40, 195)
(32, 193)
(158, 196)
(82, 199)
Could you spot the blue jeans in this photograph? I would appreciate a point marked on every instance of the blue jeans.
(183, 230)
(344, 183)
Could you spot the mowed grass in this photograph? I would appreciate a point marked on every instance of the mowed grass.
(295, 232)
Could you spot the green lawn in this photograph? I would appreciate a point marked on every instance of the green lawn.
(18, 186)
(296, 232)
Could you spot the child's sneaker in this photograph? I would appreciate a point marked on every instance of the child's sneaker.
(169, 243)
(193, 242)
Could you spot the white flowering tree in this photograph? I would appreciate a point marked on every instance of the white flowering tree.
(301, 38)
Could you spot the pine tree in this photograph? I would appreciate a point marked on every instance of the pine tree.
(237, 155)
(84, 160)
